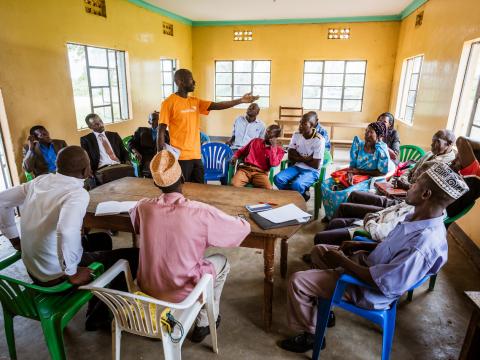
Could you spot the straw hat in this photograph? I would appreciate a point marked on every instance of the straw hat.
(165, 169)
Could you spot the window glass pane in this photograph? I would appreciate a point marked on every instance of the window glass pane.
(475, 133)
(311, 104)
(334, 66)
(242, 78)
(105, 113)
(331, 105)
(223, 98)
(115, 98)
(352, 105)
(417, 63)
(476, 117)
(262, 90)
(98, 77)
(78, 74)
(167, 78)
(311, 92)
(408, 114)
(353, 93)
(240, 90)
(223, 90)
(223, 66)
(312, 79)
(97, 56)
(223, 78)
(112, 62)
(414, 82)
(122, 82)
(113, 77)
(167, 65)
(263, 102)
(261, 66)
(332, 93)
(167, 90)
(411, 98)
(242, 66)
(354, 79)
(116, 111)
(313, 66)
(261, 78)
(357, 67)
(333, 80)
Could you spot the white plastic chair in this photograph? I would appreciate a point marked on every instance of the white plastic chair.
(133, 313)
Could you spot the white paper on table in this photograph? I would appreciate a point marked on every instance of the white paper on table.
(284, 213)
(114, 207)
(173, 150)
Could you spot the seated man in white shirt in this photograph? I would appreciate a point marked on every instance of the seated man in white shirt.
(52, 210)
(246, 127)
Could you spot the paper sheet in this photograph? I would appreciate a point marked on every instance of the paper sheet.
(114, 207)
(284, 213)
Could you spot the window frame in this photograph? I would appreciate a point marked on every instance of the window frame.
(402, 93)
(252, 84)
(126, 78)
(175, 67)
(343, 86)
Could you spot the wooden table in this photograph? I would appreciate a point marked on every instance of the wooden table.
(471, 344)
(227, 198)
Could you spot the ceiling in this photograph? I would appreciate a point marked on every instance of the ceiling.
(231, 10)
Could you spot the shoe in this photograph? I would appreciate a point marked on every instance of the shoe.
(307, 258)
(300, 343)
(200, 332)
(306, 195)
(331, 320)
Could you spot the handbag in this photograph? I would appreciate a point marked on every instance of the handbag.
(341, 176)
(113, 172)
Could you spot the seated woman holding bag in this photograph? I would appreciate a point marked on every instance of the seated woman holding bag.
(368, 158)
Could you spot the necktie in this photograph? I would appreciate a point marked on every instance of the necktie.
(107, 147)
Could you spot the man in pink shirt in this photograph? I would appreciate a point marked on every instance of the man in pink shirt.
(174, 233)
(259, 156)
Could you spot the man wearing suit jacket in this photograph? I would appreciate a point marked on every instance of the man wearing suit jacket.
(104, 148)
(144, 144)
(40, 152)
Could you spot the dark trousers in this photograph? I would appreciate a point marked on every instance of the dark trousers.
(192, 170)
(361, 203)
(336, 232)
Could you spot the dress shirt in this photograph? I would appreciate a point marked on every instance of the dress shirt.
(245, 131)
(411, 251)
(173, 234)
(52, 209)
(50, 156)
(258, 154)
(104, 158)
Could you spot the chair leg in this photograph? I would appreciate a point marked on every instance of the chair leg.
(410, 295)
(323, 312)
(10, 334)
(211, 317)
(284, 258)
(431, 284)
(53, 333)
(318, 200)
(116, 340)
(388, 332)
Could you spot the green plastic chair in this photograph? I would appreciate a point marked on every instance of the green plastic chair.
(410, 152)
(133, 159)
(53, 306)
(317, 186)
(28, 176)
(232, 169)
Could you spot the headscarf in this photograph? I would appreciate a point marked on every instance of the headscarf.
(379, 128)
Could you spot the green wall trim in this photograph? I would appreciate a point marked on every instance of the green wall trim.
(161, 11)
(414, 5)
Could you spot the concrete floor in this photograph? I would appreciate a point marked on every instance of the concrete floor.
(431, 327)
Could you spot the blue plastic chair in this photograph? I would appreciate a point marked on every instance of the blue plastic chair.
(215, 158)
(384, 318)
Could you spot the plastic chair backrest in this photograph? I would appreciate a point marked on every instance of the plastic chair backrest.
(131, 156)
(448, 220)
(28, 176)
(410, 152)
(215, 157)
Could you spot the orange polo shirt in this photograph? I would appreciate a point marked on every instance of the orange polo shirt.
(182, 116)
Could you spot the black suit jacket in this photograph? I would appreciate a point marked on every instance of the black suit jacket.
(143, 142)
(90, 144)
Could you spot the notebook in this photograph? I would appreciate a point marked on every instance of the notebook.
(114, 207)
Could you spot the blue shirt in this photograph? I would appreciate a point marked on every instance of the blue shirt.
(411, 251)
(379, 160)
(245, 131)
(49, 156)
(324, 133)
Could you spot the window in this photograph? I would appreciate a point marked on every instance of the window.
(333, 85)
(99, 81)
(467, 112)
(169, 66)
(407, 93)
(234, 78)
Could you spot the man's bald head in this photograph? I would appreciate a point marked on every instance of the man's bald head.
(184, 80)
(73, 161)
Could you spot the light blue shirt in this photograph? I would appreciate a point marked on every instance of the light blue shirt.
(245, 131)
(410, 252)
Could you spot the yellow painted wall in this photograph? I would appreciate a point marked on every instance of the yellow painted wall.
(34, 71)
(287, 46)
(446, 26)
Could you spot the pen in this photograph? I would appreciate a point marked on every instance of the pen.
(268, 203)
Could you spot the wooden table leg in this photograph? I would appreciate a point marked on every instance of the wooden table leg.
(268, 261)
(468, 344)
(284, 258)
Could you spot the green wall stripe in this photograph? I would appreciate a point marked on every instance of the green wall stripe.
(161, 11)
(414, 5)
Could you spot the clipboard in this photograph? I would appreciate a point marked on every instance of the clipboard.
(267, 224)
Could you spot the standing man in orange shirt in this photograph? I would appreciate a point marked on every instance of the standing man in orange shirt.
(181, 114)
